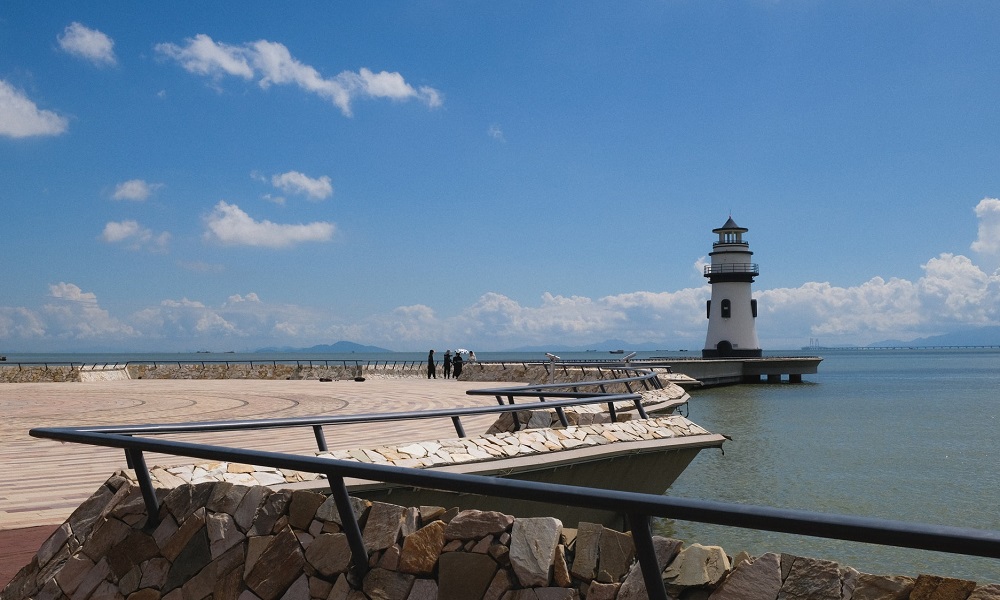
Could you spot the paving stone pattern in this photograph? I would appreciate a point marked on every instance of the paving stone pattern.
(443, 452)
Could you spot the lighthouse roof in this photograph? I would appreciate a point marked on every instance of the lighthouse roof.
(730, 226)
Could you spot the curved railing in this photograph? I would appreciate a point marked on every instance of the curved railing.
(639, 508)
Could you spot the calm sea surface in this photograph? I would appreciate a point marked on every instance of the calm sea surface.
(911, 435)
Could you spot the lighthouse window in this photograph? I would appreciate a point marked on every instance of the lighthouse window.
(725, 308)
(708, 309)
(753, 308)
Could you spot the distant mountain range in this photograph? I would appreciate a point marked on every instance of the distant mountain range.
(339, 347)
(606, 345)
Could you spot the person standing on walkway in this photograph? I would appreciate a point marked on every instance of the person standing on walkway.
(447, 364)
(430, 366)
(456, 364)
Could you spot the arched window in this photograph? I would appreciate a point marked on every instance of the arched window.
(726, 308)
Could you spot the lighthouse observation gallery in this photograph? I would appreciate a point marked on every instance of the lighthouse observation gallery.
(731, 311)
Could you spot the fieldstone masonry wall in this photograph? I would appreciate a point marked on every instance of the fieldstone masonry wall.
(225, 541)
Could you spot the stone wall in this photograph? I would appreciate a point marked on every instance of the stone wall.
(226, 541)
(519, 372)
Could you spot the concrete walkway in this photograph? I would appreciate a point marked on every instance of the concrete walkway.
(42, 481)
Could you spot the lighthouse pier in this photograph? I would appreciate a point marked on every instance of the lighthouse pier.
(731, 371)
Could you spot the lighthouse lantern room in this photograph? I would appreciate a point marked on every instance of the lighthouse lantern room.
(731, 310)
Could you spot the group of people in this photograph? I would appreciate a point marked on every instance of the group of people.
(452, 364)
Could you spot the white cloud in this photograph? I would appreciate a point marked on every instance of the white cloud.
(203, 56)
(90, 44)
(231, 226)
(20, 323)
(20, 117)
(135, 236)
(135, 189)
(953, 293)
(251, 297)
(294, 182)
(496, 133)
(274, 64)
(988, 240)
(75, 314)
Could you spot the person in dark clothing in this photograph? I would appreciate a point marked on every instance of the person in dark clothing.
(430, 366)
(447, 364)
(456, 365)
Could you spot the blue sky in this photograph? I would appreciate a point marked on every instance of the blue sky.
(436, 174)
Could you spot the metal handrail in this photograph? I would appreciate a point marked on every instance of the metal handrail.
(639, 508)
(732, 268)
(649, 379)
(317, 422)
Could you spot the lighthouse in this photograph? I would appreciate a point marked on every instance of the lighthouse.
(731, 311)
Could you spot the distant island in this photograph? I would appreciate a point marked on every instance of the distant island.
(605, 346)
(341, 347)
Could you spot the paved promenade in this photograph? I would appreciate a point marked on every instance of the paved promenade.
(42, 481)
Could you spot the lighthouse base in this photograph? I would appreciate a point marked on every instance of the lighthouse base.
(731, 353)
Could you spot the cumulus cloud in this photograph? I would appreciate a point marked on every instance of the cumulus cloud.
(75, 314)
(273, 64)
(988, 240)
(135, 236)
(90, 44)
(229, 225)
(135, 189)
(952, 293)
(18, 322)
(236, 298)
(294, 182)
(203, 56)
(20, 117)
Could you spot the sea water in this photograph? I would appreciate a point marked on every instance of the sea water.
(910, 435)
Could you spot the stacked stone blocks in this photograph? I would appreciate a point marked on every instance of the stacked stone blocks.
(225, 541)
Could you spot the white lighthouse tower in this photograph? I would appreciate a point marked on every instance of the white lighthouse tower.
(732, 310)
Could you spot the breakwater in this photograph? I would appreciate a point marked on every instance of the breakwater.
(276, 370)
(221, 540)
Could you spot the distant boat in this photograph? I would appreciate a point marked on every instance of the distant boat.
(616, 351)
(2, 358)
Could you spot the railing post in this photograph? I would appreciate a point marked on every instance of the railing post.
(320, 437)
(639, 409)
(458, 426)
(562, 416)
(145, 486)
(612, 412)
(128, 459)
(350, 524)
(643, 538)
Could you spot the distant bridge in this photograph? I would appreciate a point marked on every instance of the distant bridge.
(962, 347)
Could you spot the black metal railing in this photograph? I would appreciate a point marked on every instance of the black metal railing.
(644, 379)
(750, 268)
(638, 508)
